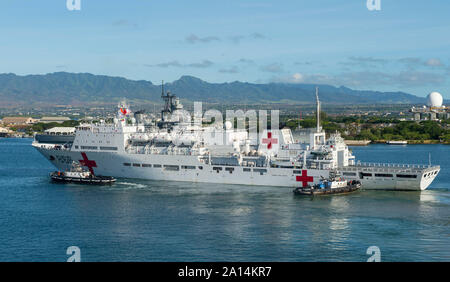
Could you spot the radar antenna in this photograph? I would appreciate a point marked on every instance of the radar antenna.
(169, 105)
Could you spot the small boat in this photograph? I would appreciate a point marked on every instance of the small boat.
(334, 185)
(394, 142)
(78, 175)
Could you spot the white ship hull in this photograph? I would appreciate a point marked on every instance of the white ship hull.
(189, 168)
(175, 149)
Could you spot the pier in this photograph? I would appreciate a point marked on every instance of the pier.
(357, 142)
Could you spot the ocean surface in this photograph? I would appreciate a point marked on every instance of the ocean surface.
(137, 220)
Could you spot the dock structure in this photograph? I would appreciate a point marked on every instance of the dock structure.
(357, 142)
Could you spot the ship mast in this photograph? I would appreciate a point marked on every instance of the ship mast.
(168, 104)
(318, 109)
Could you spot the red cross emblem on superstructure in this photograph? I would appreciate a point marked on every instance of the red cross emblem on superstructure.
(304, 178)
(86, 162)
(269, 140)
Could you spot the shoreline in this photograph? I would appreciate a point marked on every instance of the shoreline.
(413, 142)
(352, 142)
(410, 142)
(16, 137)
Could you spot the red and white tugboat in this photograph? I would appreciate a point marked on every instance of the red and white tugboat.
(333, 185)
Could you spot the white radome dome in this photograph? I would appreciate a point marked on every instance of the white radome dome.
(434, 99)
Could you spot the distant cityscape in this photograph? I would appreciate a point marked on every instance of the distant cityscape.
(373, 123)
(87, 98)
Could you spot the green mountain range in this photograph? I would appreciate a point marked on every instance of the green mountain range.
(86, 88)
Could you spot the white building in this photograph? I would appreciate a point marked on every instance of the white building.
(54, 119)
(433, 110)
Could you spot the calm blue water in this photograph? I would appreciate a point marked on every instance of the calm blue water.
(168, 221)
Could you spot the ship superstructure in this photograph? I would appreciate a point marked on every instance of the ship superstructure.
(181, 151)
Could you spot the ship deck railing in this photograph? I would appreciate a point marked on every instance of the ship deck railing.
(163, 152)
(386, 167)
(58, 147)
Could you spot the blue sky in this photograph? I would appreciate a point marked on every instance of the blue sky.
(403, 47)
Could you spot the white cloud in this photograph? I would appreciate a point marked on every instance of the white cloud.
(367, 78)
(297, 77)
(196, 39)
(274, 67)
(434, 63)
(412, 62)
(202, 64)
(233, 69)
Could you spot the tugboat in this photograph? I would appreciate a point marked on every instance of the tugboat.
(333, 185)
(78, 175)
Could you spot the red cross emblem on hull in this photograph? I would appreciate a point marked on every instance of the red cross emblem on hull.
(269, 140)
(86, 162)
(304, 178)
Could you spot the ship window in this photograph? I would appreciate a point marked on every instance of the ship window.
(137, 165)
(383, 175)
(76, 146)
(217, 168)
(109, 148)
(200, 167)
(187, 167)
(89, 147)
(260, 170)
(230, 169)
(146, 165)
(172, 167)
(247, 169)
(349, 173)
(366, 174)
(157, 165)
(297, 172)
(407, 175)
(126, 164)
